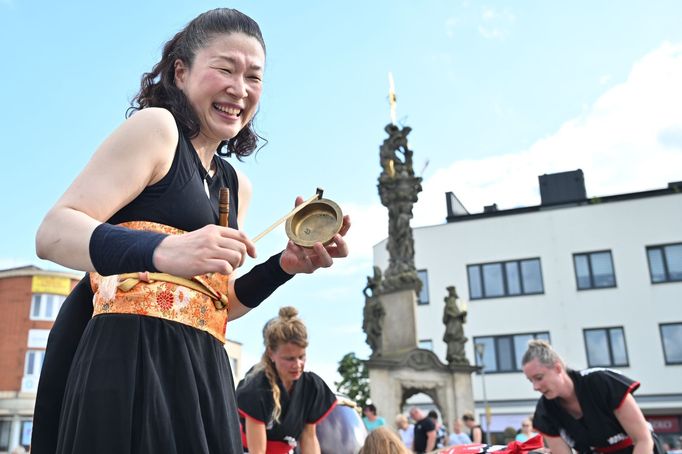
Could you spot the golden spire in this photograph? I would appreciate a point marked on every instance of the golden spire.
(391, 96)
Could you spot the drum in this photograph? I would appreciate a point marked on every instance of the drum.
(342, 431)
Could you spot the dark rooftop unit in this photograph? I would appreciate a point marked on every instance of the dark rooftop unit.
(562, 187)
(455, 207)
(557, 190)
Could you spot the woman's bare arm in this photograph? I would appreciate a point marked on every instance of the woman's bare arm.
(139, 153)
(631, 418)
(135, 155)
(256, 437)
(557, 446)
(308, 441)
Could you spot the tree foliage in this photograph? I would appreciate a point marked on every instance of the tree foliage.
(354, 379)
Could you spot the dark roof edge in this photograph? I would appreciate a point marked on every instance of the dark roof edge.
(673, 188)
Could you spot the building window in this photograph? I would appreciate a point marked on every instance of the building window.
(517, 277)
(26, 432)
(5, 433)
(594, 270)
(45, 306)
(423, 297)
(426, 344)
(671, 337)
(665, 263)
(34, 362)
(504, 353)
(605, 347)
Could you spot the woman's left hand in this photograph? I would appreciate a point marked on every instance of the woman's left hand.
(296, 259)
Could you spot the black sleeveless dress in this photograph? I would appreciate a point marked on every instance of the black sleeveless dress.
(140, 384)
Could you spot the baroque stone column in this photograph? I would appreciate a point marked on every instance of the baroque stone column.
(398, 189)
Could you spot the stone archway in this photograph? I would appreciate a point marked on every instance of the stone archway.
(409, 392)
(395, 377)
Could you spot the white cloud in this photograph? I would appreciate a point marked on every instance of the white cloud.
(369, 225)
(629, 140)
(490, 32)
(13, 262)
(496, 23)
(327, 371)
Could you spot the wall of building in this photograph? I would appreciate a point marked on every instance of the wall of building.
(624, 227)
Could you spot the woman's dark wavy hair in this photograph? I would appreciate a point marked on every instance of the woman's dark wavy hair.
(158, 86)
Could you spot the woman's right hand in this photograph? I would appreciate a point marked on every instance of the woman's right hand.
(210, 249)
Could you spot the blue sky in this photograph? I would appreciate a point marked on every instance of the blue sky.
(496, 92)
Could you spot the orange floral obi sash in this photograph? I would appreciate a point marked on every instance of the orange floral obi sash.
(200, 302)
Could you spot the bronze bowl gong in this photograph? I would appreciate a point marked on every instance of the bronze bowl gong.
(318, 221)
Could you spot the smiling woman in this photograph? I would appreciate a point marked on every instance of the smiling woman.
(280, 403)
(135, 361)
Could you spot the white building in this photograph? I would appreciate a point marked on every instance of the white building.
(601, 278)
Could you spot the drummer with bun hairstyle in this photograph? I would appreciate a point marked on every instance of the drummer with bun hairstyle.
(280, 403)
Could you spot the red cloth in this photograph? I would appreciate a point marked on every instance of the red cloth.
(516, 447)
(471, 448)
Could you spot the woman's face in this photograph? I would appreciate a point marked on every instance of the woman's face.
(289, 362)
(526, 426)
(224, 84)
(546, 380)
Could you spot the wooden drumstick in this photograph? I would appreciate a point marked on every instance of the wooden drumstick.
(318, 195)
(223, 206)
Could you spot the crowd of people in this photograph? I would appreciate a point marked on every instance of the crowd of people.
(424, 432)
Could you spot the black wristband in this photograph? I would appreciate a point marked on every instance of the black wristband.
(259, 283)
(117, 250)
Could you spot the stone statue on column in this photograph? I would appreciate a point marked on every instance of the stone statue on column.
(454, 319)
(398, 189)
(373, 313)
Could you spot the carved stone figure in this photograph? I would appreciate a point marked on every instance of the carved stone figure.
(395, 144)
(398, 189)
(373, 283)
(454, 319)
(373, 313)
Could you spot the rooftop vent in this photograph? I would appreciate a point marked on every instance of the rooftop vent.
(455, 207)
(563, 187)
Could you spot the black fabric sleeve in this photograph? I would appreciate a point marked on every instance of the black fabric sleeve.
(321, 400)
(254, 398)
(610, 385)
(259, 283)
(543, 421)
(116, 250)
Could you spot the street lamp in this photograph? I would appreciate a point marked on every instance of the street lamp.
(480, 349)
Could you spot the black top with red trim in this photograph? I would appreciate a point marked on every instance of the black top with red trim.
(600, 392)
(310, 401)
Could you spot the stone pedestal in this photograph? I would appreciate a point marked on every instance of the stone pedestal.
(399, 329)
